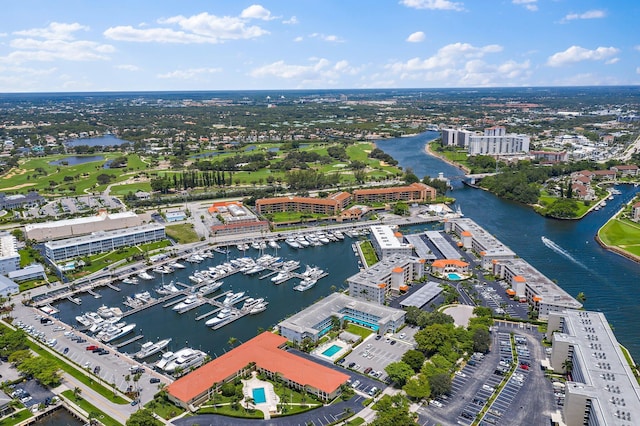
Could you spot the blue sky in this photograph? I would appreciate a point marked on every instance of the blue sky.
(79, 45)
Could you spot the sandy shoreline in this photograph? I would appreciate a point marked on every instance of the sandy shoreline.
(428, 150)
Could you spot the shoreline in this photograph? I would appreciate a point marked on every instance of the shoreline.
(615, 249)
(429, 151)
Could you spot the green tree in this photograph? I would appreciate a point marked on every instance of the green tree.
(440, 384)
(413, 359)
(434, 338)
(399, 372)
(481, 340)
(393, 410)
(417, 387)
(143, 417)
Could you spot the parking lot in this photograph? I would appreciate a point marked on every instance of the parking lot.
(374, 353)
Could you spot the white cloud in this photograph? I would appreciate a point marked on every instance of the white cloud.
(189, 74)
(448, 56)
(330, 38)
(590, 14)
(528, 4)
(127, 67)
(638, 70)
(577, 54)
(637, 47)
(201, 28)
(434, 4)
(291, 21)
(256, 11)
(319, 70)
(298, 39)
(55, 31)
(416, 37)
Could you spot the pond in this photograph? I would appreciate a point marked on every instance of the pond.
(106, 140)
(75, 160)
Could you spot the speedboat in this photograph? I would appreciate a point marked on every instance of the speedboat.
(305, 284)
(144, 297)
(185, 359)
(233, 298)
(187, 302)
(250, 302)
(273, 244)
(209, 288)
(223, 315)
(292, 243)
(149, 348)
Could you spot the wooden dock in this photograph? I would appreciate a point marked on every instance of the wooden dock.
(126, 342)
(113, 287)
(74, 300)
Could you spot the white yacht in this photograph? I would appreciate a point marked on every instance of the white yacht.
(233, 298)
(185, 359)
(106, 312)
(273, 244)
(209, 288)
(292, 243)
(186, 303)
(83, 320)
(167, 289)
(165, 359)
(118, 332)
(131, 280)
(305, 284)
(177, 265)
(223, 315)
(144, 275)
(149, 348)
(256, 309)
(250, 302)
(280, 276)
(144, 296)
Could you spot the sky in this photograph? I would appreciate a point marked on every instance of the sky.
(171, 45)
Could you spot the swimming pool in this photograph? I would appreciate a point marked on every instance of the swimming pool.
(331, 351)
(454, 277)
(258, 396)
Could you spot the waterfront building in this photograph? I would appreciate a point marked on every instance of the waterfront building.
(317, 320)
(443, 267)
(103, 221)
(102, 241)
(326, 206)
(29, 272)
(626, 170)
(456, 137)
(9, 256)
(386, 242)
(20, 201)
(416, 192)
(496, 141)
(8, 287)
(265, 353)
(474, 237)
(531, 286)
(635, 211)
(602, 389)
(389, 276)
(232, 217)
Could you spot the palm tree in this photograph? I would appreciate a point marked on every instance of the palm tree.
(76, 393)
(232, 341)
(247, 401)
(567, 366)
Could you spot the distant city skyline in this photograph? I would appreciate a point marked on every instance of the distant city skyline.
(73, 45)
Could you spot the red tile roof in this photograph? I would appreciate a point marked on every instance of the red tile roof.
(264, 350)
(308, 200)
(442, 263)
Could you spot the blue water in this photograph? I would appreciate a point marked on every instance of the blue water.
(76, 159)
(259, 396)
(454, 277)
(334, 349)
(106, 140)
(609, 281)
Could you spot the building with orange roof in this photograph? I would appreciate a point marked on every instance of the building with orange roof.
(416, 192)
(316, 320)
(481, 242)
(266, 354)
(395, 270)
(327, 206)
(232, 217)
(343, 198)
(386, 241)
(445, 266)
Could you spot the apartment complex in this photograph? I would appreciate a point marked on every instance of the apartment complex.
(386, 242)
(474, 237)
(316, 320)
(416, 192)
(232, 217)
(602, 389)
(388, 276)
(327, 206)
(9, 256)
(102, 241)
(530, 285)
(494, 141)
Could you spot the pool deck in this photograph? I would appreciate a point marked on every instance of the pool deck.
(344, 348)
(270, 406)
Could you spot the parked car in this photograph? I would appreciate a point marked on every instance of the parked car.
(91, 347)
(154, 380)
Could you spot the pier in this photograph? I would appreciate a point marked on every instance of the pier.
(74, 300)
(126, 342)
(113, 287)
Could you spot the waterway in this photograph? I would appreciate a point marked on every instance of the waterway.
(576, 261)
(337, 258)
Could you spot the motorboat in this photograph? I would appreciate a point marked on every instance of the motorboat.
(165, 359)
(131, 280)
(144, 296)
(185, 359)
(290, 265)
(303, 241)
(250, 302)
(273, 244)
(207, 254)
(106, 312)
(186, 303)
(209, 288)
(144, 275)
(280, 276)
(119, 332)
(305, 284)
(83, 320)
(167, 289)
(150, 348)
(177, 265)
(233, 298)
(292, 243)
(339, 235)
(254, 270)
(257, 308)
(222, 316)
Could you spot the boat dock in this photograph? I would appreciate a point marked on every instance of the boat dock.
(75, 300)
(126, 342)
(113, 287)
(94, 294)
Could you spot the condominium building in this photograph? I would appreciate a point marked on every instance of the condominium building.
(232, 217)
(102, 241)
(316, 320)
(416, 192)
(530, 285)
(388, 276)
(602, 389)
(67, 228)
(9, 256)
(474, 237)
(496, 141)
(386, 242)
(456, 137)
(328, 206)
(18, 201)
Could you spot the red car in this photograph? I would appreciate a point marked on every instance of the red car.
(91, 348)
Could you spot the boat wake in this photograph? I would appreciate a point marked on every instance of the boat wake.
(555, 247)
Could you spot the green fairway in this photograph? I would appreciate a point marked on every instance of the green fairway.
(622, 234)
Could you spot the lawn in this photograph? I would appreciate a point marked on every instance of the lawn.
(622, 234)
(182, 233)
(226, 410)
(91, 409)
(370, 256)
(360, 331)
(284, 217)
(127, 188)
(16, 418)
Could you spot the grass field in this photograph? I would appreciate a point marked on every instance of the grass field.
(370, 256)
(91, 409)
(284, 217)
(182, 233)
(360, 331)
(622, 234)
